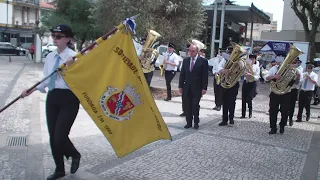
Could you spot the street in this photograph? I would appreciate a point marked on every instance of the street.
(244, 151)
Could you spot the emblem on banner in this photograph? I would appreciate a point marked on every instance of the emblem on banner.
(119, 105)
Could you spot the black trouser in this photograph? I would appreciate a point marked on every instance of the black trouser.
(276, 101)
(292, 102)
(304, 102)
(148, 77)
(229, 102)
(169, 75)
(192, 106)
(249, 91)
(218, 93)
(32, 55)
(316, 95)
(183, 97)
(61, 109)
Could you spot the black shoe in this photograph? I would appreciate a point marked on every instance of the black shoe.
(223, 123)
(167, 99)
(273, 131)
(56, 175)
(218, 108)
(187, 126)
(308, 118)
(231, 121)
(298, 120)
(281, 129)
(196, 126)
(250, 114)
(183, 114)
(242, 117)
(290, 122)
(75, 164)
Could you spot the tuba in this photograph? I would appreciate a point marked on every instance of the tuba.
(235, 65)
(287, 73)
(148, 54)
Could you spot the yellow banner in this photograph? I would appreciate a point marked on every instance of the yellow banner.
(110, 85)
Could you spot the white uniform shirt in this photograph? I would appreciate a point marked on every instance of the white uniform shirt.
(271, 72)
(49, 65)
(308, 86)
(172, 58)
(214, 62)
(297, 86)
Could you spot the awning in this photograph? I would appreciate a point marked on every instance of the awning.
(238, 14)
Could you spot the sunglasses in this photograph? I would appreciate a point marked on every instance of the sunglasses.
(57, 36)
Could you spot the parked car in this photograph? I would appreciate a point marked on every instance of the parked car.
(49, 47)
(7, 48)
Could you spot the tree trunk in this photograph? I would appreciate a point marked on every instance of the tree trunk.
(311, 37)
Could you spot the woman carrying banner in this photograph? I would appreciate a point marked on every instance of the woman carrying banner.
(61, 105)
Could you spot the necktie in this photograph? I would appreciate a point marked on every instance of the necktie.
(54, 76)
(192, 64)
(305, 83)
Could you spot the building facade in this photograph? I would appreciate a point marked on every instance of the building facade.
(259, 28)
(292, 28)
(17, 21)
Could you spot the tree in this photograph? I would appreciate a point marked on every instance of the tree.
(308, 10)
(77, 15)
(175, 20)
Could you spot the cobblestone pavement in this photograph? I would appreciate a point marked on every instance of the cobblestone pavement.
(242, 151)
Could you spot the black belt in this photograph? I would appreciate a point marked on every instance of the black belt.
(170, 70)
(307, 91)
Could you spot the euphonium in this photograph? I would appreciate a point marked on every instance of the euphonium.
(198, 43)
(235, 65)
(287, 73)
(148, 54)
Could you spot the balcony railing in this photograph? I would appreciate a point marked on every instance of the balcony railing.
(28, 2)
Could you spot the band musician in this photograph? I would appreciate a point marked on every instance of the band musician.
(294, 90)
(229, 95)
(309, 81)
(216, 85)
(171, 63)
(249, 86)
(278, 102)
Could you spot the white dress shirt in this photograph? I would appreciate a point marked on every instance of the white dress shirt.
(309, 85)
(194, 61)
(49, 65)
(172, 58)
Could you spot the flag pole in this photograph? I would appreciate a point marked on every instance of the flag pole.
(104, 37)
(30, 89)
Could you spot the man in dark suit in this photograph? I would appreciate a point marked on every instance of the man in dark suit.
(193, 83)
